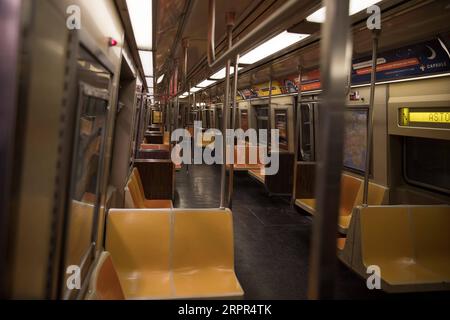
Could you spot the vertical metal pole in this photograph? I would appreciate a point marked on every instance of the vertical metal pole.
(297, 122)
(233, 126)
(189, 123)
(375, 35)
(189, 104)
(169, 111)
(141, 131)
(269, 113)
(225, 121)
(177, 111)
(336, 57)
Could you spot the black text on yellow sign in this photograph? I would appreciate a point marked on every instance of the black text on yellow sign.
(408, 116)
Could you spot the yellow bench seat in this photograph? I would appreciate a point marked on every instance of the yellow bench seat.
(352, 190)
(135, 196)
(410, 245)
(173, 253)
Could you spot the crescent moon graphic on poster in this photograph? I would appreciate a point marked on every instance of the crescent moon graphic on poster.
(433, 53)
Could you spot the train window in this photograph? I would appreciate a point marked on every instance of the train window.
(212, 118)
(355, 138)
(207, 119)
(87, 162)
(192, 117)
(135, 127)
(281, 123)
(244, 120)
(306, 132)
(262, 122)
(427, 163)
(219, 118)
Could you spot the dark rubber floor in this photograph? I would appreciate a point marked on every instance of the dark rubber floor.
(272, 239)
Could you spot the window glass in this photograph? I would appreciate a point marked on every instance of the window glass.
(355, 138)
(427, 163)
(87, 163)
(262, 123)
(281, 123)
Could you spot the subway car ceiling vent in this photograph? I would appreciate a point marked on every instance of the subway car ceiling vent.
(355, 7)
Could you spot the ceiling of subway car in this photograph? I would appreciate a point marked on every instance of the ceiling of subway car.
(422, 24)
(248, 14)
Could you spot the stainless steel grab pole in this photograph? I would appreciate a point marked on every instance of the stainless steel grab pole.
(226, 106)
(233, 126)
(335, 60)
(370, 126)
(297, 140)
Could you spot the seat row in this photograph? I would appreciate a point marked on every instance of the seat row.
(135, 193)
(167, 254)
(409, 244)
(352, 190)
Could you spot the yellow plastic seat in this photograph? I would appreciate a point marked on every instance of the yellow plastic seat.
(246, 165)
(410, 245)
(350, 187)
(341, 243)
(203, 257)
(376, 196)
(309, 205)
(139, 243)
(135, 195)
(432, 238)
(105, 283)
(349, 191)
(172, 254)
(166, 138)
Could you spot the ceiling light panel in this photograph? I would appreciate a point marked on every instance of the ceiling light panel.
(221, 74)
(147, 62)
(355, 7)
(277, 43)
(206, 83)
(140, 12)
(194, 90)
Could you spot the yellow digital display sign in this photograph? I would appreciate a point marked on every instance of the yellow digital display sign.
(410, 116)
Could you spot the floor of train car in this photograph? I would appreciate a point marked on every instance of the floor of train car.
(272, 239)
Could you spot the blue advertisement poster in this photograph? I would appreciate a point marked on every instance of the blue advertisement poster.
(422, 59)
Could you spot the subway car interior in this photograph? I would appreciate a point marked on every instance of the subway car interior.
(212, 149)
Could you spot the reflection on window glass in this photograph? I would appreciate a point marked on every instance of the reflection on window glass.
(92, 126)
(87, 156)
(427, 163)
